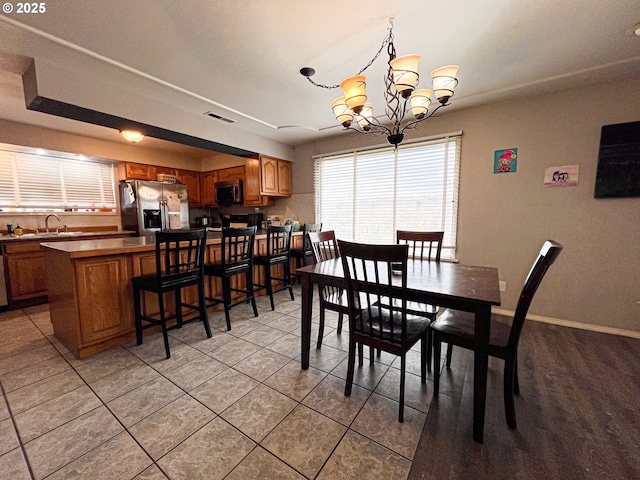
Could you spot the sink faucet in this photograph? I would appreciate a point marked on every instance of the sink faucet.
(46, 221)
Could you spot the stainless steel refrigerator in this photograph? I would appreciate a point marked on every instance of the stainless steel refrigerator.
(148, 207)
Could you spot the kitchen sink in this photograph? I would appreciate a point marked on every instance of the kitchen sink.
(50, 234)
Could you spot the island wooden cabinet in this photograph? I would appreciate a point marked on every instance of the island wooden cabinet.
(96, 299)
(275, 177)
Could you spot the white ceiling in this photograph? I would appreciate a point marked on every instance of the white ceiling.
(240, 59)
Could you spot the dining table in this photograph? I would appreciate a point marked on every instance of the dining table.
(446, 284)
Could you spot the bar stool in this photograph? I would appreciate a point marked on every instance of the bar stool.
(236, 258)
(179, 264)
(304, 256)
(278, 253)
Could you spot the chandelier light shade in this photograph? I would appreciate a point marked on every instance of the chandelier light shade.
(132, 135)
(365, 119)
(444, 82)
(354, 92)
(420, 103)
(343, 114)
(405, 73)
(354, 113)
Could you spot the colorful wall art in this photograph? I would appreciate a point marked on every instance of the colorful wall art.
(505, 161)
(565, 176)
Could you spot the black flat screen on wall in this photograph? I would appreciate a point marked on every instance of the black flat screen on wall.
(618, 172)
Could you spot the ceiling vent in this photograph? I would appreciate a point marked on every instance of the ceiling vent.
(218, 117)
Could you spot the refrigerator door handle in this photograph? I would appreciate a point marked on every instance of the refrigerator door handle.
(163, 215)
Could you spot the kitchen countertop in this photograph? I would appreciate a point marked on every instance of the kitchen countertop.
(43, 236)
(116, 246)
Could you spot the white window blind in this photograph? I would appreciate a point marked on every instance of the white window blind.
(31, 182)
(367, 196)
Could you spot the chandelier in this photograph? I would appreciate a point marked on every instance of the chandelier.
(354, 112)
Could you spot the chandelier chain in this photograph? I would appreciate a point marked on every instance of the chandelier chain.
(387, 41)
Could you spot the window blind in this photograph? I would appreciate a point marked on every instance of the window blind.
(366, 196)
(30, 182)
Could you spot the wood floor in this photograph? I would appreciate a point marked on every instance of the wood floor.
(578, 412)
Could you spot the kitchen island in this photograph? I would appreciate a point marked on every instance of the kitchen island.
(24, 266)
(90, 294)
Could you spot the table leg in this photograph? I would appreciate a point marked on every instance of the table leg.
(481, 364)
(307, 304)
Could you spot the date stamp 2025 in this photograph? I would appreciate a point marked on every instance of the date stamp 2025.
(22, 7)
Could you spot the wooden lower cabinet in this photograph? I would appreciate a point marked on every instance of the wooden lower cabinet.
(25, 280)
(103, 297)
(25, 271)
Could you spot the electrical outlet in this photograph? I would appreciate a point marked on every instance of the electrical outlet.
(503, 286)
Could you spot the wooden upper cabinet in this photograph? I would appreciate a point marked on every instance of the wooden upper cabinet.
(139, 171)
(193, 182)
(252, 196)
(284, 178)
(233, 173)
(208, 188)
(275, 177)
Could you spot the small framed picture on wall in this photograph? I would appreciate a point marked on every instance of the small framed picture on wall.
(505, 161)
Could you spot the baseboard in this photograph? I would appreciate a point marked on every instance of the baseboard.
(572, 324)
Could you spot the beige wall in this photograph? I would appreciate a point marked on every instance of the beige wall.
(503, 219)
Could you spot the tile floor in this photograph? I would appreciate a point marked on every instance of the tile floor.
(236, 406)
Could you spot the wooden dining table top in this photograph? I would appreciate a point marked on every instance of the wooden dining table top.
(437, 280)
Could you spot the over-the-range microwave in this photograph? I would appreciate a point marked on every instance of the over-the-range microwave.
(228, 193)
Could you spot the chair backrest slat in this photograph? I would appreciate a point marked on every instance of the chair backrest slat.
(548, 254)
(422, 242)
(180, 253)
(324, 245)
(377, 275)
(237, 245)
(306, 229)
(278, 240)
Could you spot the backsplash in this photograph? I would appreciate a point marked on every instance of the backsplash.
(35, 221)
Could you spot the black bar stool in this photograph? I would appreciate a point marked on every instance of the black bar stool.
(179, 264)
(304, 256)
(278, 253)
(236, 258)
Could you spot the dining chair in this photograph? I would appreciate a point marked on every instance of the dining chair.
(324, 247)
(236, 258)
(425, 246)
(278, 253)
(458, 328)
(179, 264)
(383, 325)
(304, 255)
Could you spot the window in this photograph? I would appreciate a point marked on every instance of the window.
(367, 196)
(35, 182)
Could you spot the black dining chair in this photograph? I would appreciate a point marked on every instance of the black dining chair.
(236, 258)
(278, 253)
(179, 264)
(425, 246)
(304, 255)
(458, 328)
(383, 325)
(324, 247)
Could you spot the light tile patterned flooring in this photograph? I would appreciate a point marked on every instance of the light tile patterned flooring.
(236, 406)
